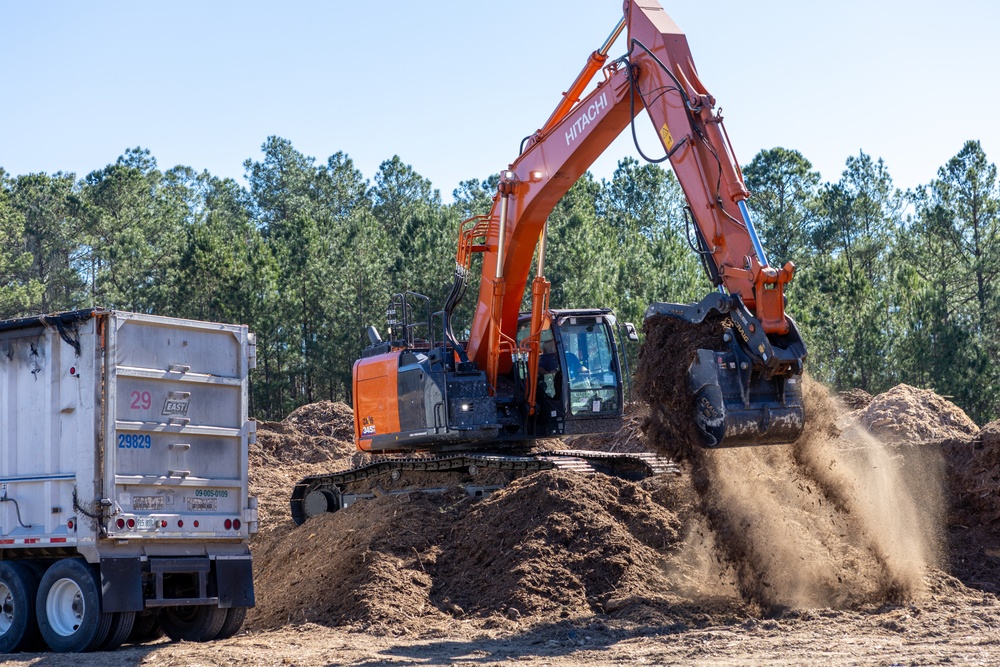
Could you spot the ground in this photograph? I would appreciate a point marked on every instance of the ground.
(956, 626)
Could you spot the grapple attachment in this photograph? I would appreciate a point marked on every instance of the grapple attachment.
(747, 387)
(735, 407)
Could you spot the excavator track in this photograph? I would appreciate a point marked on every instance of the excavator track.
(478, 474)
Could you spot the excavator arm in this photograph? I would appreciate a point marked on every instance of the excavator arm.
(471, 405)
(657, 74)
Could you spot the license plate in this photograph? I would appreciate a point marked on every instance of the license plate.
(145, 523)
(147, 503)
(202, 504)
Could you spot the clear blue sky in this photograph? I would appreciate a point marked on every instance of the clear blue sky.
(452, 87)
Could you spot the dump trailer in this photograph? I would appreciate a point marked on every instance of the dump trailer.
(124, 499)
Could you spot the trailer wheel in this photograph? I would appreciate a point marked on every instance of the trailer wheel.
(69, 608)
(18, 588)
(234, 621)
(146, 628)
(121, 628)
(198, 623)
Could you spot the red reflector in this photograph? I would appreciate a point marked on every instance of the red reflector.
(163, 523)
(72, 370)
(121, 523)
(196, 523)
(70, 524)
(131, 523)
(236, 524)
(228, 524)
(180, 523)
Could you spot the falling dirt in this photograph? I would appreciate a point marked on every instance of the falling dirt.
(661, 381)
(821, 523)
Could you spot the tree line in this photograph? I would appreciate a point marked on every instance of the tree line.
(891, 286)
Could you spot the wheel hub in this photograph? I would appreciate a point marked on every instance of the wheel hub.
(6, 609)
(65, 607)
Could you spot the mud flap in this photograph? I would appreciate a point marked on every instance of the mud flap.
(234, 581)
(736, 407)
(121, 584)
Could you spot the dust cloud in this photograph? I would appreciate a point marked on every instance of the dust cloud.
(823, 522)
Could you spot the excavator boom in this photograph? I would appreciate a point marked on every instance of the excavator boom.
(657, 74)
(446, 404)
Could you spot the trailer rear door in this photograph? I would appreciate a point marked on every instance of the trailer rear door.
(177, 433)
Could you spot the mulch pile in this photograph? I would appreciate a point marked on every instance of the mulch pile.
(975, 476)
(908, 414)
(312, 440)
(550, 546)
(547, 546)
(855, 399)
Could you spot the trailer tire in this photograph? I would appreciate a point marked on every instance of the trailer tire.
(234, 621)
(18, 589)
(68, 608)
(196, 623)
(121, 628)
(35, 566)
(146, 628)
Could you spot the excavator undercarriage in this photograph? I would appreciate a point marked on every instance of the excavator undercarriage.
(477, 474)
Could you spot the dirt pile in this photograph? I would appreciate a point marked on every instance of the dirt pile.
(629, 439)
(551, 545)
(974, 472)
(326, 418)
(855, 399)
(908, 414)
(309, 441)
(315, 433)
(827, 522)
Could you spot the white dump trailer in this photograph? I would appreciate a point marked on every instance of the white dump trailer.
(124, 501)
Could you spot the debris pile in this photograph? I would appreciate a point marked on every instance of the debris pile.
(855, 399)
(743, 531)
(974, 472)
(309, 441)
(326, 418)
(907, 414)
(551, 545)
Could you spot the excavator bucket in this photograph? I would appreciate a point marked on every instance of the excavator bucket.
(744, 386)
(735, 407)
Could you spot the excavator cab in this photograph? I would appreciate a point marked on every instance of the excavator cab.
(580, 373)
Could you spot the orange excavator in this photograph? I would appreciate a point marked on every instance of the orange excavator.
(424, 400)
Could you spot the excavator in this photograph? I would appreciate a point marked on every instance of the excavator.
(426, 401)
